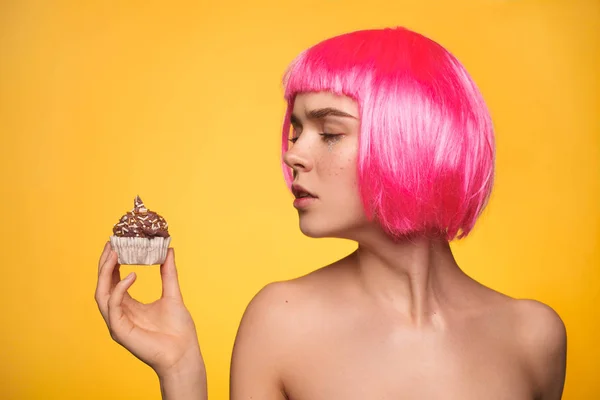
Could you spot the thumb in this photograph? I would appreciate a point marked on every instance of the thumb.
(168, 274)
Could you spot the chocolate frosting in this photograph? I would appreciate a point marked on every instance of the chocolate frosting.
(141, 222)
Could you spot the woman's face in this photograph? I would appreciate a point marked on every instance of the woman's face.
(323, 156)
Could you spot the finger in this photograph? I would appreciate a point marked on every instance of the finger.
(115, 279)
(117, 321)
(105, 253)
(168, 273)
(103, 288)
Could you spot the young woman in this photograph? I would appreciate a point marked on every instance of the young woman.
(387, 142)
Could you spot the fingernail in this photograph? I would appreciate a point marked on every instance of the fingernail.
(130, 276)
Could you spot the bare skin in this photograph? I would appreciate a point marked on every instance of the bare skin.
(393, 320)
(330, 334)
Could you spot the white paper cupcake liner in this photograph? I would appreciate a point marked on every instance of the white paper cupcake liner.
(140, 251)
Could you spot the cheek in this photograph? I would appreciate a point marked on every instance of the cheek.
(339, 169)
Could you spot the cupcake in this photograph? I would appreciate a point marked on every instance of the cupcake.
(141, 237)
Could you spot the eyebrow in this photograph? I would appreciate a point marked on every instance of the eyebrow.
(321, 113)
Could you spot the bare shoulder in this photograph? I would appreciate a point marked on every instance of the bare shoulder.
(261, 349)
(542, 340)
(540, 326)
(285, 307)
(281, 308)
(532, 323)
(267, 313)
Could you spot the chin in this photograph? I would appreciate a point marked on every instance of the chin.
(314, 231)
(322, 228)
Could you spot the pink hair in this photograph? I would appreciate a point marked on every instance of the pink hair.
(426, 148)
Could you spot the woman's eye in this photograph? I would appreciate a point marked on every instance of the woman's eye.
(330, 137)
(327, 137)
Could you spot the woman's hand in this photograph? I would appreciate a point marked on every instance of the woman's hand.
(162, 334)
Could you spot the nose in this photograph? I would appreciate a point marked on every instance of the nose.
(297, 159)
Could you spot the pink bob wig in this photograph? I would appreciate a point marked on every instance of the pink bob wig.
(426, 148)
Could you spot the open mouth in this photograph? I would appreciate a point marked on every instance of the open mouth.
(300, 193)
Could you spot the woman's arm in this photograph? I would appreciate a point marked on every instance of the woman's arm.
(162, 334)
(544, 340)
(259, 351)
(188, 382)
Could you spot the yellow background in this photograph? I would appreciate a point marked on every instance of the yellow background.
(181, 104)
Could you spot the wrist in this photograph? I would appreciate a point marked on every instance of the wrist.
(185, 380)
(184, 384)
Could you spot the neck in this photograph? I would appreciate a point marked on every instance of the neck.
(416, 277)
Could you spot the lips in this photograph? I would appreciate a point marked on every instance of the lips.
(301, 192)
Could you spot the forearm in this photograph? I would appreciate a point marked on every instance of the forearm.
(188, 383)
